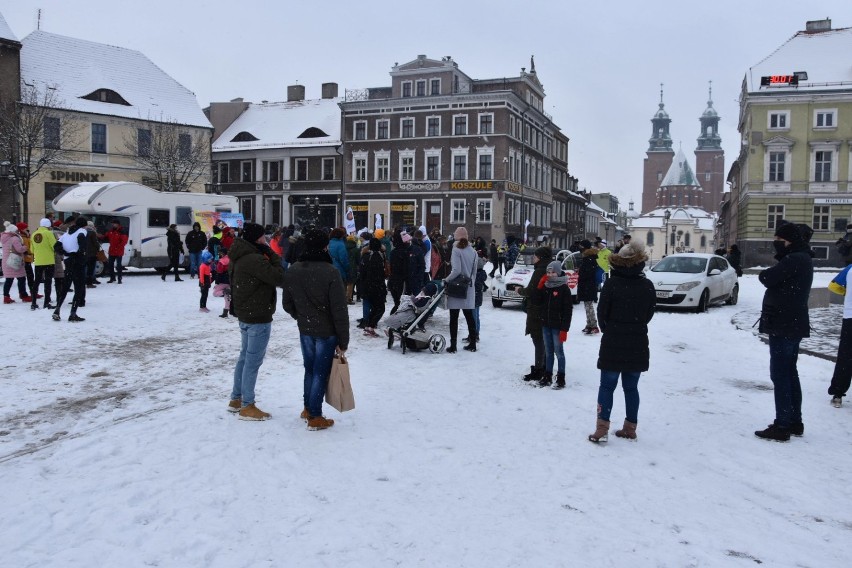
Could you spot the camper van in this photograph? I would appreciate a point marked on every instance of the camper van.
(145, 214)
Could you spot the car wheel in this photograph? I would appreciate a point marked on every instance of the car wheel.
(734, 297)
(100, 269)
(496, 303)
(702, 302)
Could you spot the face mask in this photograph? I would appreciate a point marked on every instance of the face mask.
(780, 247)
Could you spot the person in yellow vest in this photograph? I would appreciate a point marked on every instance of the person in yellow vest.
(41, 244)
(603, 261)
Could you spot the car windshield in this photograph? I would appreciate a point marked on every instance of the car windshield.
(525, 259)
(682, 264)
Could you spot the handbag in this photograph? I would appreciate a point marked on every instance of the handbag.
(338, 393)
(457, 287)
(101, 256)
(14, 261)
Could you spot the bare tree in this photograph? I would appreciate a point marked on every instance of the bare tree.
(36, 132)
(173, 156)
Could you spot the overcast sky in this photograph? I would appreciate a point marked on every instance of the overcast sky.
(601, 63)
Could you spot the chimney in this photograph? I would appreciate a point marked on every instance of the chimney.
(329, 90)
(817, 26)
(295, 93)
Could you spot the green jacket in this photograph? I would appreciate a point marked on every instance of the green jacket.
(314, 296)
(254, 277)
(41, 244)
(603, 259)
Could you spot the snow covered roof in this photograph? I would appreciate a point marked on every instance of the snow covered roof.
(656, 218)
(680, 173)
(5, 31)
(80, 68)
(274, 125)
(819, 54)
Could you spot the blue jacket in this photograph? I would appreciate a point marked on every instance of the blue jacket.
(339, 257)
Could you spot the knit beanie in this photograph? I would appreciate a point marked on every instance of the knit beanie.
(315, 240)
(788, 232)
(544, 253)
(252, 232)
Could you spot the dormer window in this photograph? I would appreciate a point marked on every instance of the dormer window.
(106, 96)
(312, 132)
(244, 137)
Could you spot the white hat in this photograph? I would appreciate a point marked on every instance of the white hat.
(603, 242)
(44, 222)
(11, 229)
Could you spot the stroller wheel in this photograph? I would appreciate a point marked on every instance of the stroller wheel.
(390, 339)
(437, 343)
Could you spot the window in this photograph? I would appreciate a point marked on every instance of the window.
(457, 211)
(512, 127)
(247, 207)
(301, 169)
(778, 120)
(703, 241)
(51, 132)
(158, 217)
(183, 215)
(822, 216)
(246, 171)
(407, 128)
(224, 170)
(774, 213)
(820, 253)
(421, 88)
(822, 165)
(327, 169)
(359, 167)
(483, 211)
(459, 166)
(649, 238)
(382, 129)
(184, 146)
(485, 166)
(361, 130)
(406, 89)
(659, 176)
(382, 166)
(825, 118)
(99, 139)
(435, 87)
(460, 125)
(143, 142)
(406, 167)
(486, 123)
(433, 126)
(777, 162)
(272, 171)
(433, 167)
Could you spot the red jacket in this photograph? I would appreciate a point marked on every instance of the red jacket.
(117, 241)
(205, 276)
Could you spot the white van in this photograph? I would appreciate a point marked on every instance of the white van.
(145, 214)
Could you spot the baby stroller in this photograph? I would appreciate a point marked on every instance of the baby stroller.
(409, 321)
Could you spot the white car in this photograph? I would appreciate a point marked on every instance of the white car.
(504, 288)
(694, 281)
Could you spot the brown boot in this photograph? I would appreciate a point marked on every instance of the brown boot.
(234, 405)
(251, 412)
(601, 431)
(319, 423)
(627, 431)
(305, 414)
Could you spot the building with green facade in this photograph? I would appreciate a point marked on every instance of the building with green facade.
(795, 161)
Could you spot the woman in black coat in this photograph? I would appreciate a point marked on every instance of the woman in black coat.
(371, 284)
(625, 308)
(398, 270)
(587, 284)
(174, 248)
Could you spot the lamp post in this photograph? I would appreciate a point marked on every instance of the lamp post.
(15, 174)
(674, 238)
(667, 215)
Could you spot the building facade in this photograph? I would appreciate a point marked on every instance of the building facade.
(10, 92)
(796, 127)
(441, 150)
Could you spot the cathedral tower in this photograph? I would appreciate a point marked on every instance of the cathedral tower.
(710, 158)
(659, 156)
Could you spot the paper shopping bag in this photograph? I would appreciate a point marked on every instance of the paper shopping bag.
(339, 391)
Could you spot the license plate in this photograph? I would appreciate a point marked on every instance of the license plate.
(511, 294)
(661, 294)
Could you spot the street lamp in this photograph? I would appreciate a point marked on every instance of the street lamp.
(14, 174)
(667, 215)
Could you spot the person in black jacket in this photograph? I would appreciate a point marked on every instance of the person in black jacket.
(398, 270)
(174, 249)
(784, 317)
(625, 308)
(557, 307)
(587, 284)
(74, 253)
(541, 258)
(735, 259)
(196, 241)
(416, 265)
(494, 256)
(371, 283)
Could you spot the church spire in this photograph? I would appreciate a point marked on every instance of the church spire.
(709, 138)
(660, 140)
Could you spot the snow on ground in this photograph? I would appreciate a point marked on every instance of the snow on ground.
(116, 449)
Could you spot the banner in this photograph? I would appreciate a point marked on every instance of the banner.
(526, 224)
(349, 222)
(378, 221)
(209, 218)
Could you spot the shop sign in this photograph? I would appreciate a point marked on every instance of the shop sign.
(419, 186)
(395, 207)
(76, 177)
(486, 185)
(359, 208)
(833, 201)
(513, 187)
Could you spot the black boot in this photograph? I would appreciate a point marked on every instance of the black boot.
(164, 276)
(534, 374)
(224, 314)
(452, 348)
(546, 380)
(471, 346)
(560, 381)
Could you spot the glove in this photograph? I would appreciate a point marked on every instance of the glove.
(563, 336)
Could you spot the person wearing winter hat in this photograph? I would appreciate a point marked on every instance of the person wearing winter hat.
(541, 258)
(371, 284)
(74, 245)
(314, 296)
(557, 306)
(174, 248)
(463, 262)
(44, 258)
(13, 264)
(784, 318)
(625, 308)
(587, 284)
(603, 261)
(254, 272)
(117, 239)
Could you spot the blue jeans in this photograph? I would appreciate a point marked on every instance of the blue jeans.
(318, 354)
(476, 318)
(783, 354)
(552, 346)
(366, 306)
(194, 262)
(255, 338)
(630, 385)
